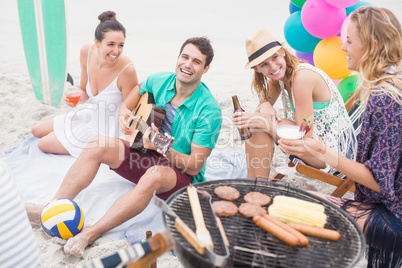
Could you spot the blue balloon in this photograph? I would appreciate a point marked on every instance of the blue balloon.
(356, 6)
(297, 36)
(309, 57)
(293, 8)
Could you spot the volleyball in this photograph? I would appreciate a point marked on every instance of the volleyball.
(62, 218)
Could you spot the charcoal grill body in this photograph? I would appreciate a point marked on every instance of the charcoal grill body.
(250, 246)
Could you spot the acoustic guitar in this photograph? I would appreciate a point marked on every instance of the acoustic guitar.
(147, 112)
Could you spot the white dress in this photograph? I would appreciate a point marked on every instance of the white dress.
(76, 128)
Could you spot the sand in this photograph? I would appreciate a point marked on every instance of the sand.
(155, 31)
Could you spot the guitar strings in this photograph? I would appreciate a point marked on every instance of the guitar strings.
(143, 126)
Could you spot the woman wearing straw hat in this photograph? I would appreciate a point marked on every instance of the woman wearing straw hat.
(306, 92)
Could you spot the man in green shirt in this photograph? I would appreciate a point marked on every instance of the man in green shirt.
(193, 118)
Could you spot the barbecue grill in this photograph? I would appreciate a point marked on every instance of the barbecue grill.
(250, 246)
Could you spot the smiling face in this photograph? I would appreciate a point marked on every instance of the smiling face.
(190, 65)
(111, 46)
(353, 47)
(273, 67)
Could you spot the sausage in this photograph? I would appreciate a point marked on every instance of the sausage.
(303, 240)
(276, 231)
(316, 232)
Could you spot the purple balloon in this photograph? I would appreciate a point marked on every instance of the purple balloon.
(306, 56)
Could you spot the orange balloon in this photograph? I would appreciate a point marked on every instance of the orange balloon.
(329, 57)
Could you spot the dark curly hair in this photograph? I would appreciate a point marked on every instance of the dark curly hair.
(204, 45)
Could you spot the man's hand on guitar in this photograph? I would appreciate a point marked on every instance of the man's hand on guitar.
(125, 117)
(148, 144)
(153, 140)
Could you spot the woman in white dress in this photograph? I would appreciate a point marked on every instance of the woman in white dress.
(107, 77)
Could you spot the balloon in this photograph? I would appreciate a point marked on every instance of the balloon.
(298, 3)
(344, 29)
(336, 81)
(306, 56)
(329, 57)
(321, 19)
(356, 6)
(342, 3)
(293, 8)
(347, 86)
(296, 35)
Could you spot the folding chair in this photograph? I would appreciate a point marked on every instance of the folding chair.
(339, 180)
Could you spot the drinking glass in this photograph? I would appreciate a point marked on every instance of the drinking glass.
(289, 132)
(73, 99)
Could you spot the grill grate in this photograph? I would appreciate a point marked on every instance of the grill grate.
(250, 246)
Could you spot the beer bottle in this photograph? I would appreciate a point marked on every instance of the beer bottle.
(159, 243)
(245, 133)
(148, 236)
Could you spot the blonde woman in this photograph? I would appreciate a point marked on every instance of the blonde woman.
(374, 49)
(306, 92)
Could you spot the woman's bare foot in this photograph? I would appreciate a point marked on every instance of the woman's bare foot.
(34, 212)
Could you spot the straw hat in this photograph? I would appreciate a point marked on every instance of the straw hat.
(260, 46)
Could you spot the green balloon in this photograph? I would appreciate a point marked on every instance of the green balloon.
(298, 3)
(347, 86)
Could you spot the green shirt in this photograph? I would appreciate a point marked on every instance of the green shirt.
(197, 120)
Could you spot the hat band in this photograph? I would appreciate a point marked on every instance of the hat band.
(263, 50)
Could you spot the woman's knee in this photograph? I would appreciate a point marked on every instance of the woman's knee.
(50, 144)
(37, 131)
(42, 144)
(42, 128)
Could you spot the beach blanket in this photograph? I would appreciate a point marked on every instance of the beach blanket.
(38, 175)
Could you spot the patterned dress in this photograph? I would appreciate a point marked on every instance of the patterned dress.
(331, 123)
(379, 149)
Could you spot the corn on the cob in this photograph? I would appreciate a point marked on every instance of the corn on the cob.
(290, 209)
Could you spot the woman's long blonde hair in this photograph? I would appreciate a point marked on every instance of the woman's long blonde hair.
(381, 35)
(261, 85)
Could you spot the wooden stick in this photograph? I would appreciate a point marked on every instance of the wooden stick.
(201, 230)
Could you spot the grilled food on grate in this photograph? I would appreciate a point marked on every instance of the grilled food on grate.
(251, 246)
(291, 209)
(228, 193)
(257, 198)
(249, 210)
(224, 208)
(316, 232)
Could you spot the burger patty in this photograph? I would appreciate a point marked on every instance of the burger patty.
(249, 210)
(257, 198)
(228, 193)
(224, 208)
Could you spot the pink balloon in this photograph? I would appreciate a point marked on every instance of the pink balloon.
(337, 81)
(342, 3)
(322, 20)
(344, 28)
